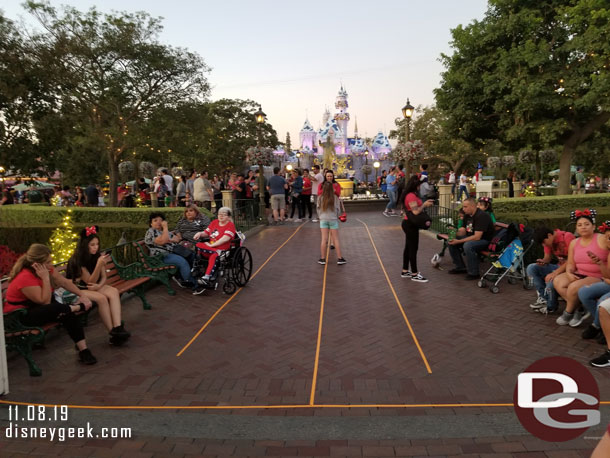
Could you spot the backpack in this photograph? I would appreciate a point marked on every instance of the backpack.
(573, 180)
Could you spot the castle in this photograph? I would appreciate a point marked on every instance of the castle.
(336, 127)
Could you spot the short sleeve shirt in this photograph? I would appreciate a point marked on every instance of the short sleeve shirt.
(216, 232)
(14, 295)
(306, 184)
(149, 240)
(561, 244)
(481, 221)
(276, 185)
(411, 197)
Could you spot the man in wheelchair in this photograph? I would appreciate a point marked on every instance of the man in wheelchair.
(220, 234)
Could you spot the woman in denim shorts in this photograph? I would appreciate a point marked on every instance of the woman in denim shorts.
(328, 206)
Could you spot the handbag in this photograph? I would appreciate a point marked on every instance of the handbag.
(342, 216)
(421, 220)
(181, 251)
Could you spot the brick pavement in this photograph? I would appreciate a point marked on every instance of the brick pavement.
(260, 349)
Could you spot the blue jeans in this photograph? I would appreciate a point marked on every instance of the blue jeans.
(471, 250)
(545, 289)
(183, 266)
(392, 203)
(592, 295)
(463, 190)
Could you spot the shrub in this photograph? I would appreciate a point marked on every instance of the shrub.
(546, 204)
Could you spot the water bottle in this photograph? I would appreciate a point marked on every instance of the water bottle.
(452, 233)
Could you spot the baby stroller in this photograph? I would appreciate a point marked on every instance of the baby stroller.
(510, 262)
(234, 265)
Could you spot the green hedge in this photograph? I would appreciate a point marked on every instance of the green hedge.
(553, 220)
(25, 215)
(551, 203)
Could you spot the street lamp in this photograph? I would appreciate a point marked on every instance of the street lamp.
(407, 113)
(376, 164)
(366, 157)
(299, 160)
(260, 119)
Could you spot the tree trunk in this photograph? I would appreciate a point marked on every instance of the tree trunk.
(565, 166)
(113, 173)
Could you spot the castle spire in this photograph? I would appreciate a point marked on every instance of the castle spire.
(356, 127)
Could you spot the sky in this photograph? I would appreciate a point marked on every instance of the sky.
(292, 56)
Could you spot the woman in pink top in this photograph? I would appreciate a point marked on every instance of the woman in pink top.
(581, 268)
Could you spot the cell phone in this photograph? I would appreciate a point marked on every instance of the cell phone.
(579, 275)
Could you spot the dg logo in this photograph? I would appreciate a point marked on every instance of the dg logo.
(557, 399)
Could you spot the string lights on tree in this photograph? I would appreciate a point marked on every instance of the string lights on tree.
(63, 240)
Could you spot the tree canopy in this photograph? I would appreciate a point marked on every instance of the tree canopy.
(530, 74)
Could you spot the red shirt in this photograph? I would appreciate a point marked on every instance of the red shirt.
(411, 197)
(336, 187)
(306, 184)
(14, 295)
(561, 243)
(216, 231)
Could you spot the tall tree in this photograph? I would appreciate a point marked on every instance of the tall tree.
(288, 144)
(531, 74)
(111, 73)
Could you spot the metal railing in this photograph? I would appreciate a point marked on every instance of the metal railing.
(246, 214)
(442, 218)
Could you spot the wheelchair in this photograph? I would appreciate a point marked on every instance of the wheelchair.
(233, 265)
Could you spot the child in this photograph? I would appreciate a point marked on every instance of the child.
(484, 204)
(87, 269)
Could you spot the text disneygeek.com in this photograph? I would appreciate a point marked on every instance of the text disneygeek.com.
(61, 433)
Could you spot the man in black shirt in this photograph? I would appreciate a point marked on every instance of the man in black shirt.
(481, 233)
(91, 194)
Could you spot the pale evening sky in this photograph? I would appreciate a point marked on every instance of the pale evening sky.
(292, 57)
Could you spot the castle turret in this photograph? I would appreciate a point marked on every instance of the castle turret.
(342, 119)
(307, 136)
(326, 116)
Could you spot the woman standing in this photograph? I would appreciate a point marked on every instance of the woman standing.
(414, 205)
(181, 191)
(328, 207)
(87, 269)
(306, 194)
(30, 288)
(391, 192)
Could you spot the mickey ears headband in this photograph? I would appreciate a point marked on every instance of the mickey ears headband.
(586, 213)
(485, 199)
(604, 227)
(88, 231)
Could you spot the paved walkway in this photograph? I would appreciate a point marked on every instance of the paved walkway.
(427, 369)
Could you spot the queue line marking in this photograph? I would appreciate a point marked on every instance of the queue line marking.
(402, 311)
(236, 293)
(319, 341)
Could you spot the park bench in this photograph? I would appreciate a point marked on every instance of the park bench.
(154, 266)
(21, 338)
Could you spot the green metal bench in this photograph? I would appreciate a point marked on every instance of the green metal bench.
(154, 267)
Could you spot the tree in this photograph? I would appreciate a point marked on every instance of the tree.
(287, 145)
(530, 74)
(110, 73)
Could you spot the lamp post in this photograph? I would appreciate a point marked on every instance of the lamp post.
(366, 157)
(407, 112)
(376, 164)
(260, 119)
(299, 160)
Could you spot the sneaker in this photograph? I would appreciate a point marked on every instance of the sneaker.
(406, 274)
(565, 319)
(601, 361)
(200, 289)
(289, 219)
(314, 220)
(540, 302)
(86, 357)
(205, 280)
(179, 282)
(579, 318)
(386, 214)
(591, 332)
(341, 261)
(120, 331)
(419, 278)
(322, 261)
(298, 220)
(395, 214)
(545, 311)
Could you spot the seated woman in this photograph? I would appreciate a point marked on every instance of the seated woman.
(220, 231)
(593, 295)
(30, 288)
(159, 240)
(191, 222)
(87, 269)
(581, 269)
(484, 204)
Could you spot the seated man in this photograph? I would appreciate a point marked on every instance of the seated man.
(543, 271)
(482, 233)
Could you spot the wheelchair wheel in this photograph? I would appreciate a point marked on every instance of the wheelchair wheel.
(229, 287)
(241, 266)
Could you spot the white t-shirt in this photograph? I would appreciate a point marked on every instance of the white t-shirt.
(315, 183)
(452, 178)
(463, 180)
(168, 182)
